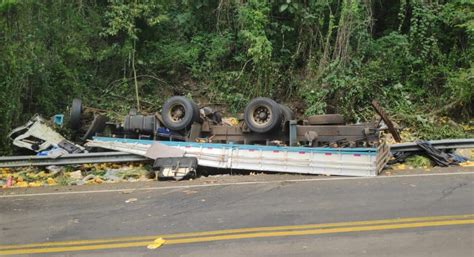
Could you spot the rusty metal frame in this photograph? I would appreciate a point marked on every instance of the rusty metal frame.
(391, 128)
(295, 134)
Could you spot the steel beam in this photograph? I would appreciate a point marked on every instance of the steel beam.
(438, 144)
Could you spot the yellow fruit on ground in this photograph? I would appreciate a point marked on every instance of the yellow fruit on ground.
(51, 181)
(21, 184)
(35, 184)
(399, 166)
(467, 164)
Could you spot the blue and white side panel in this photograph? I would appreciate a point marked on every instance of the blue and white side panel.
(317, 160)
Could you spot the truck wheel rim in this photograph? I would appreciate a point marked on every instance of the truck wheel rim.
(261, 115)
(177, 112)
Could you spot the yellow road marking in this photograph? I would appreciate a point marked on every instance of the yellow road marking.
(74, 248)
(243, 236)
(320, 231)
(240, 230)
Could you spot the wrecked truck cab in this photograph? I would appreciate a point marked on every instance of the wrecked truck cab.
(38, 136)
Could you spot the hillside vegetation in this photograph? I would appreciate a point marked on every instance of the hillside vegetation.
(414, 56)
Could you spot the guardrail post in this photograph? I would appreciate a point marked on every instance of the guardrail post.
(293, 136)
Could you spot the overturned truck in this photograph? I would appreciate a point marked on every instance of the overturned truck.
(264, 122)
(266, 138)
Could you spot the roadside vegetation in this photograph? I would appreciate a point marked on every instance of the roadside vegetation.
(414, 56)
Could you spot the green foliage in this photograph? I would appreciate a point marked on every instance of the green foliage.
(123, 16)
(415, 57)
(418, 161)
(253, 19)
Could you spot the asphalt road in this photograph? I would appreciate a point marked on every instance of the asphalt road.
(419, 215)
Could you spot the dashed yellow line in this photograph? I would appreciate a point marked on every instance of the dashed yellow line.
(232, 234)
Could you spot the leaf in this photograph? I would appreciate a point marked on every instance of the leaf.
(283, 7)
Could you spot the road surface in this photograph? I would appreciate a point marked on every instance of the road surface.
(418, 215)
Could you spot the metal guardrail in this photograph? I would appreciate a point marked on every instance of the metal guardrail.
(114, 157)
(438, 144)
(70, 159)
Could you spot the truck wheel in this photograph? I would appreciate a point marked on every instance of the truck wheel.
(75, 114)
(262, 115)
(197, 113)
(326, 119)
(288, 114)
(178, 113)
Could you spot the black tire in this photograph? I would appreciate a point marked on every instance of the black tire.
(75, 114)
(262, 115)
(178, 113)
(197, 114)
(326, 119)
(217, 117)
(287, 113)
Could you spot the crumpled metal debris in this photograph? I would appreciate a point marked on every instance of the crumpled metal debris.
(439, 157)
(38, 136)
